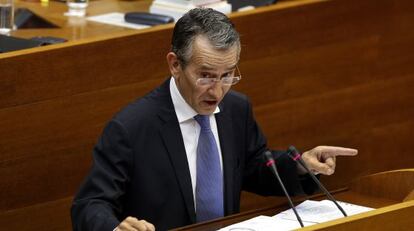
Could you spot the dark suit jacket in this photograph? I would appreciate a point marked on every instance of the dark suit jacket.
(140, 166)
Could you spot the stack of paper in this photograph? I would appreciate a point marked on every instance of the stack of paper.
(311, 212)
(117, 19)
(177, 8)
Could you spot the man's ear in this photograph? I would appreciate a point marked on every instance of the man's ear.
(174, 64)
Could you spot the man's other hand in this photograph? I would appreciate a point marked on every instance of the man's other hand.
(322, 159)
(133, 224)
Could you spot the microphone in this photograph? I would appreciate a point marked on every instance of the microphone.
(294, 154)
(270, 162)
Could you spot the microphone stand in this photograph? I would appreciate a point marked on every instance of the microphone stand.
(270, 162)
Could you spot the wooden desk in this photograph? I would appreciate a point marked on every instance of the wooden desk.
(78, 28)
(382, 191)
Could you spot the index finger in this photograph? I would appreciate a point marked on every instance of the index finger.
(150, 227)
(139, 225)
(337, 151)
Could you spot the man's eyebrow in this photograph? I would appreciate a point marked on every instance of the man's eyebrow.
(206, 68)
(209, 68)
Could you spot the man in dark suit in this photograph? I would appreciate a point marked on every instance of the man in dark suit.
(183, 153)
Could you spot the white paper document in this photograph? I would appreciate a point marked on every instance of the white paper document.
(321, 211)
(116, 19)
(264, 223)
(311, 212)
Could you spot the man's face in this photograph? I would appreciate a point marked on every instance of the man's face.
(205, 62)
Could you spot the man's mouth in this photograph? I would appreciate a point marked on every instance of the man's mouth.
(210, 102)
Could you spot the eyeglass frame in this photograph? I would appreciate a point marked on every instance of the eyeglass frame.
(212, 81)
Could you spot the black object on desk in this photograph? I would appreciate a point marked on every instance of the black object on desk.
(9, 43)
(25, 18)
(145, 18)
(48, 40)
(236, 4)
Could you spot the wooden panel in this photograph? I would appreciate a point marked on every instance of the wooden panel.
(46, 146)
(409, 196)
(53, 215)
(52, 73)
(323, 49)
(397, 185)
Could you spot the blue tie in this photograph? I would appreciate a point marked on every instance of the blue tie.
(209, 186)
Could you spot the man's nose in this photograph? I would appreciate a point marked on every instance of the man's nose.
(215, 89)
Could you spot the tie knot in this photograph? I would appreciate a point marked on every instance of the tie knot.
(203, 121)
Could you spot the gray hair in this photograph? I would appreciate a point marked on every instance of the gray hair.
(215, 26)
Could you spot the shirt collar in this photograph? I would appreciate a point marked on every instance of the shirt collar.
(183, 111)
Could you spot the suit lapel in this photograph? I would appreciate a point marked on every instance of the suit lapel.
(172, 138)
(225, 131)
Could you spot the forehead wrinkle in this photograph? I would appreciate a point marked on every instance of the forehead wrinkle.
(213, 65)
(210, 58)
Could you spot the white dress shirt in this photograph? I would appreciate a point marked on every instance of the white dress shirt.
(190, 130)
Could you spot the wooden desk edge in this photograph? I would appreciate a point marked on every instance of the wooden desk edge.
(387, 209)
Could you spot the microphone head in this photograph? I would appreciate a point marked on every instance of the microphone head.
(269, 158)
(292, 149)
(268, 155)
(293, 153)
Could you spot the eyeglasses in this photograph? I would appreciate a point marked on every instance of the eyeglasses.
(225, 81)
